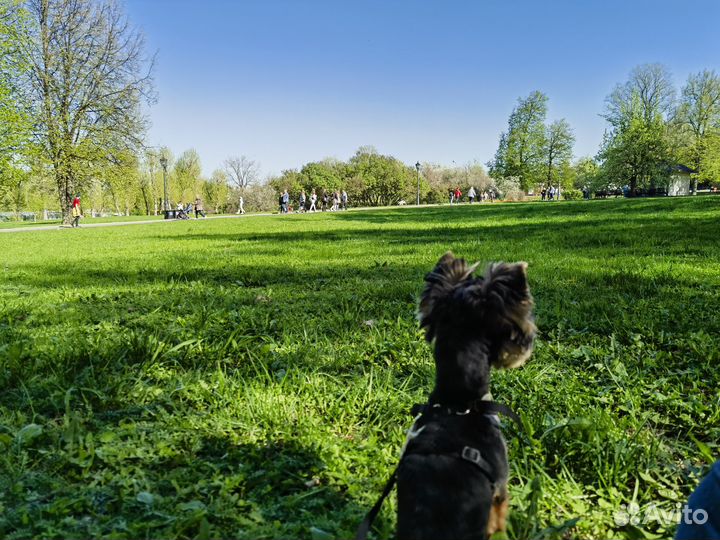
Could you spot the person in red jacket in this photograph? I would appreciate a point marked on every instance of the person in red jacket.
(76, 211)
(458, 194)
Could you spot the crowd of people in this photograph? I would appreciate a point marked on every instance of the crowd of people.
(332, 202)
(549, 194)
(455, 195)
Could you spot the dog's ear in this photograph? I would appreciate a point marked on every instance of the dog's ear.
(506, 291)
(506, 284)
(440, 283)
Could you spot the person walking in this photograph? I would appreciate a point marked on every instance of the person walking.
(313, 200)
(458, 194)
(343, 199)
(76, 211)
(199, 209)
(471, 194)
(285, 201)
(241, 209)
(301, 202)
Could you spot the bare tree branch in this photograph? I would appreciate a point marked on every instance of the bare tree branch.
(241, 171)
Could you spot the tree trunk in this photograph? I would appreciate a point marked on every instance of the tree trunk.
(143, 190)
(65, 189)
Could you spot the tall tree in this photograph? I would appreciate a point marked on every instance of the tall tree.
(559, 141)
(698, 116)
(521, 149)
(121, 176)
(636, 151)
(648, 92)
(216, 190)
(151, 181)
(710, 159)
(88, 77)
(14, 118)
(586, 174)
(186, 175)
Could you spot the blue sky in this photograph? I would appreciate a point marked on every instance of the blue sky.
(287, 82)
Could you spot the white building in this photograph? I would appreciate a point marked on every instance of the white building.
(679, 182)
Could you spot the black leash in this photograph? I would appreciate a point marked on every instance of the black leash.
(469, 454)
(366, 523)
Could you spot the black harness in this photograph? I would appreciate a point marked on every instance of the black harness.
(467, 453)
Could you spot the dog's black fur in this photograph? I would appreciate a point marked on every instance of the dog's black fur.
(475, 323)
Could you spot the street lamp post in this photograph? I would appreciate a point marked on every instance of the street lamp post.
(164, 163)
(417, 167)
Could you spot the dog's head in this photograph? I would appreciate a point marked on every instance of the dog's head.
(495, 308)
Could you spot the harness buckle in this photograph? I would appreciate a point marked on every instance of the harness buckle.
(473, 455)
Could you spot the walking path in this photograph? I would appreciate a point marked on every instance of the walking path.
(110, 224)
(151, 221)
(233, 216)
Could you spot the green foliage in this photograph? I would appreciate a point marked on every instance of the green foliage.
(698, 121)
(371, 179)
(710, 160)
(572, 194)
(322, 176)
(14, 118)
(437, 181)
(292, 180)
(586, 174)
(378, 180)
(216, 191)
(559, 141)
(186, 177)
(521, 151)
(196, 380)
(636, 152)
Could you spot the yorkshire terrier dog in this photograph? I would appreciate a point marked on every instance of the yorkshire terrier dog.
(452, 477)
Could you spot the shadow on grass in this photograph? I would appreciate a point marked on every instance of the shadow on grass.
(280, 478)
(607, 289)
(214, 487)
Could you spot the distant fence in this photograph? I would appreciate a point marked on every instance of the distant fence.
(46, 215)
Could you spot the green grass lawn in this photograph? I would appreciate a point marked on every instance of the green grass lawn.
(252, 378)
